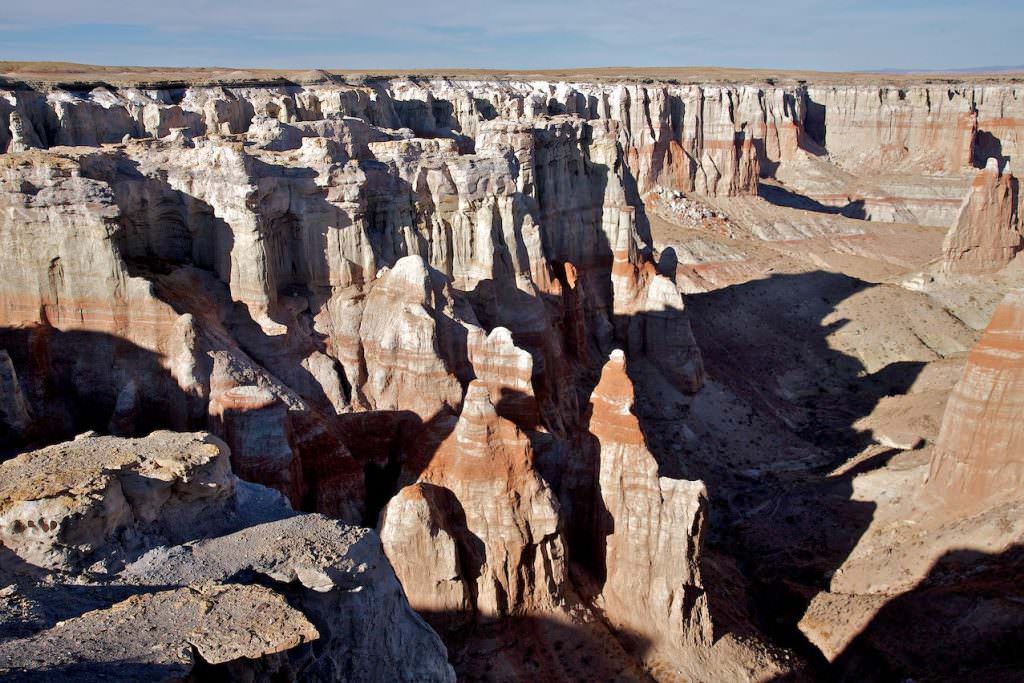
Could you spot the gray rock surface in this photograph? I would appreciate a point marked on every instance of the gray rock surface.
(221, 574)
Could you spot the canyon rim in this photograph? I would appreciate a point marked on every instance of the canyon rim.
(600, 374)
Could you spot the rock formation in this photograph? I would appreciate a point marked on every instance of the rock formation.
(132, 543)
(978, 460)
(988, 233)
(391, 300)
(255, 425)
(650, 527)
(484, 523)
(411, 339)
(15, 418)
(160, 635)
(930, 127)
(64, 505)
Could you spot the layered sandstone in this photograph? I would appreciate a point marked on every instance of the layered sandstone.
(977, 461)
(927, 127)
(988, 233)
(299, 267)
(391, 299)
(411, 339)
(650, 307)
(649, 526)
(480, 529)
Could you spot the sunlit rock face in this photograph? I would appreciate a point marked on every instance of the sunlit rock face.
(979, 455)
(920, 127)
(650, 526)
(988, 234)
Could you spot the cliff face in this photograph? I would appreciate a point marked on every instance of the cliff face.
(704, 138)
(928, 128)
(712, 139)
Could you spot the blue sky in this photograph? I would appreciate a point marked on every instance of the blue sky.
(410, 34)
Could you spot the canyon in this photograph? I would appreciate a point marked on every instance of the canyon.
(646, 375)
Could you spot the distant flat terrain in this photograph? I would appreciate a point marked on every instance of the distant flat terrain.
(68, 74)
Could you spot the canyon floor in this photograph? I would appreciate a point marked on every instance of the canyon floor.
(618, 374)
(828, 374)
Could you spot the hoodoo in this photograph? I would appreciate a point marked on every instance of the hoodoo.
(978, 459)
(650, 527)
(988, 233)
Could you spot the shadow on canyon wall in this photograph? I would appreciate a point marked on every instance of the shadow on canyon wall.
(163, 229)
(987, 146)
(810, 525)
(76, 381)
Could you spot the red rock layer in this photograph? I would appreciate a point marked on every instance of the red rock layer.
(499, 518)
(979, 454)
(988, 232)
(650, 529)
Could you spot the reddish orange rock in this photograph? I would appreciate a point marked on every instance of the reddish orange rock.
(613, 420)
(979, 454)
(988, 232)
(650, 530)
(500, 521)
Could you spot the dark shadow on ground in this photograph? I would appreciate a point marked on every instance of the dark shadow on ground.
(781, 196)
(778, 512)
(964, 621)
(541, 648)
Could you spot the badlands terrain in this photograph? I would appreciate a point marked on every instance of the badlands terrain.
(620, 374)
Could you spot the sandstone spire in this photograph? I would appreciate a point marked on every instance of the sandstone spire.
(489, 521)
(651, 526)
(979, 454)
(988, 233)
